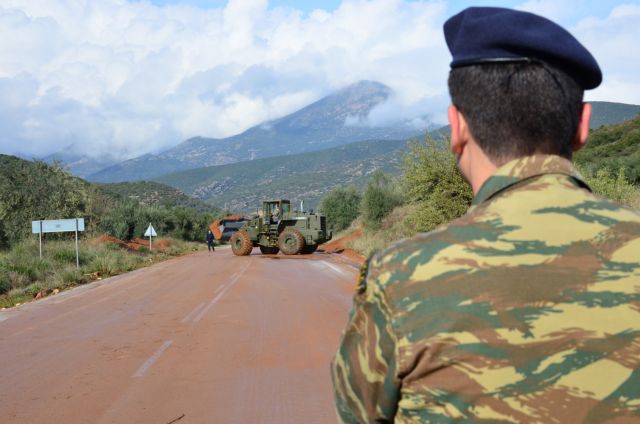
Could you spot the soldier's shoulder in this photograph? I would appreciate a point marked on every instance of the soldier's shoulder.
(435, 240)
(397, 262)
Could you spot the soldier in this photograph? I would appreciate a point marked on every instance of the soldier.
(210, 245)
(526, 309)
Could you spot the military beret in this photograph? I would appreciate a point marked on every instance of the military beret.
(492, 34)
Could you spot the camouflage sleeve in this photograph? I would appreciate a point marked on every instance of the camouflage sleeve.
(366, 386)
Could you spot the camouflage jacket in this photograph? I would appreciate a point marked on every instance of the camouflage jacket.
(526, 309)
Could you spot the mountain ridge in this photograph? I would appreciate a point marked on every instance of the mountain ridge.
(319, 125)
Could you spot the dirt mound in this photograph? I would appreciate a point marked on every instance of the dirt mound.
(135, 244)
(110, 239)
(339, 246)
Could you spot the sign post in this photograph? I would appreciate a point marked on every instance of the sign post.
(151, 232)
(40, 233)
(58, 226)
(77, 250)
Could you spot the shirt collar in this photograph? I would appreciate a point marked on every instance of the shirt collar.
(525, 168)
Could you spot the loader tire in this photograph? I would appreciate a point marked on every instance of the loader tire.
(309, 249)
(291, 241)
(241, 244)
(267, 250)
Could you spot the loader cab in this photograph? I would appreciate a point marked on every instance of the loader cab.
(274, 210)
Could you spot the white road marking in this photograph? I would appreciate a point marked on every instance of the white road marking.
(152, 359)
(193, 312)
(335, 268)
(220, 292)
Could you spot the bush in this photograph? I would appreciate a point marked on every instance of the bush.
(380, 197)
(395, 226)
(121, 220)
(434, 184)
(341, 207)
(614, 186)
(127, 220)
(5, 284)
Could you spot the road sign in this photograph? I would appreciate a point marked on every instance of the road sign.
(151, 232)
(58, 226)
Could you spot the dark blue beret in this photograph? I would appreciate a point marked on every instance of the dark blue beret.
(492, 34)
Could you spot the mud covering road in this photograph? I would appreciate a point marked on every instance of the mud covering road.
(206, 338)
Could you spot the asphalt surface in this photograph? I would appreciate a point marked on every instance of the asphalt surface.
(205, 338)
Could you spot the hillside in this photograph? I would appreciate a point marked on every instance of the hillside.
(35, 190)
(151, 193)
(32, 190)
(614, 146)
(305, 176)
(607, 113)
(320, 125)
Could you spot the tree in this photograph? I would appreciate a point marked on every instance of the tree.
(341, 206)
(434, 184)
(121, 220)
(380, 197)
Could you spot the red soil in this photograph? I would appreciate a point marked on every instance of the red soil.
(135, 244)
(339, 246)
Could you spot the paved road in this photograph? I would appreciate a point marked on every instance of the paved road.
(198, 339)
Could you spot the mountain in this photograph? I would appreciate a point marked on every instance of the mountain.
(304, 176)
(79, 165)
(151, 193)
(607, 113)
(331, 121)
(308, 176)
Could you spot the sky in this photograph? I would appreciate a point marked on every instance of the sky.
(124, 78)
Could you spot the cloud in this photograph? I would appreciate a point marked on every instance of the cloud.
(127, 78)
(614, 43)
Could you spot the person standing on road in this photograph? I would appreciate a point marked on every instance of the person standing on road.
(210, 241)
(526, 309)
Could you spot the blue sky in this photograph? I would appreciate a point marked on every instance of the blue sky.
(125, 78)
(306, 6)
(595, 8)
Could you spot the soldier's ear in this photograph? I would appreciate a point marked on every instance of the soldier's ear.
(582, 132)
(458, 130)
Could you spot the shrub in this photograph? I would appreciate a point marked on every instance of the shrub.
(341, 206)
(395, 226)
(5, 284)
(121, 220)
(434, 184)
(614, 186)
(380, 197)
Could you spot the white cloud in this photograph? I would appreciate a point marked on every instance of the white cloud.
(127, 78)
(614, 43)
(551, 9)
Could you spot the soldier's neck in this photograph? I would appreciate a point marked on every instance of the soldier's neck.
(476, 166)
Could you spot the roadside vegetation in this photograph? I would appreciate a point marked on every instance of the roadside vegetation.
(33, 190)
(431, 191)
(24, 276)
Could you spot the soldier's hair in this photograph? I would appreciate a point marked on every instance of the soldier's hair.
(518, 109)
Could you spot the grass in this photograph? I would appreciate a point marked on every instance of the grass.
(23, 275)
(396, 226)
